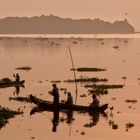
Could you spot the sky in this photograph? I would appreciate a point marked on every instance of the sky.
(108, 10)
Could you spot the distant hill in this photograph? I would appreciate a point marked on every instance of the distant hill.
(57, 25)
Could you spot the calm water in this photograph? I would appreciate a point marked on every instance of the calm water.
(49, 58)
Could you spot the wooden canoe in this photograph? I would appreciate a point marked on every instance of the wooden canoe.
(48, 104)
(11, 84)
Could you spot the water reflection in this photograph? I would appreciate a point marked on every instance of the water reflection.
(17, 90)
(94, 117)
(55, 120)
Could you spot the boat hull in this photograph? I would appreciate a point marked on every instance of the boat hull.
(48, 104)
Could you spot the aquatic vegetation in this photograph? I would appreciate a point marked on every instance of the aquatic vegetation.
(131, 101)
(113, 98)
(56, 81)
(115, 47)
(129, 125)
(103, 86)
(125, 41)
(102, 43)
(32, 137)
(74, 42)
(124, 77)
(82, 133)
(83, 95)
(113, 125)
(87, 79)
(89, 125)
(5, 114)
(27, 68)
(87, 69)
(98, 91)
(118, 112)
(21, 99)
(110, 122)
(5, 80)
(63, 89)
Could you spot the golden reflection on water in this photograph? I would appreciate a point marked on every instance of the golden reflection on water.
(50, 60)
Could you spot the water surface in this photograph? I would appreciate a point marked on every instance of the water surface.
(49, 58)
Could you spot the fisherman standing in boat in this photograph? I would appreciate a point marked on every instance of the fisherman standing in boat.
(55, 94)
(95, 101)
(17, 77)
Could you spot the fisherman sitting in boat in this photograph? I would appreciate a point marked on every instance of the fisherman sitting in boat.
(95, 102)
(69, 99)
(55, 94)
(17, 77)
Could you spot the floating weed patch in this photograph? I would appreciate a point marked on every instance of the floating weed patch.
(129, 125)
(115, 47)
(56, 81)
(27, 68)
(113, 125)
(87, 79)
(63, 89)
(83, 95)
(124, 77)
(20, 99)
(86, 69)
(131, 101)
(88, 125)
(5, 80)
(113, 98)
(5, 114)
(98, 91)
(82, 133)
(103, 86)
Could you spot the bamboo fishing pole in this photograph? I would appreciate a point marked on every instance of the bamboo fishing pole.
(74, 73)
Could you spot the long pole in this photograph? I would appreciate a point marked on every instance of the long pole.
(74, 73)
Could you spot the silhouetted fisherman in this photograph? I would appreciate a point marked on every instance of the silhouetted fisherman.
(69, 99)
(95, 102)
(17, 77)
(55, 94)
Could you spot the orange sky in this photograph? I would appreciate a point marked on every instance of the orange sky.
(109, 10)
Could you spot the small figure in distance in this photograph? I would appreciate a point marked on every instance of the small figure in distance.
(69, 99)
(95, 101)
(55, 94)
(17, 77)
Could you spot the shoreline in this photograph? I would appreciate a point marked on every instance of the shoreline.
(70, 36)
